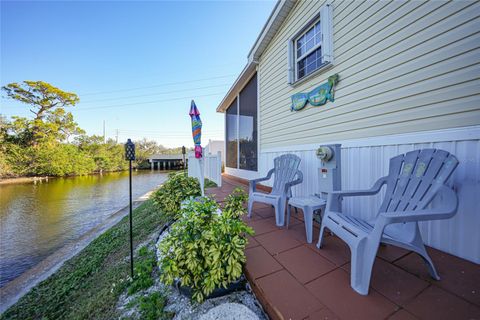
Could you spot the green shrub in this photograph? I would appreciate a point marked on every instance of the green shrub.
(234, 203)
(173, 192)
(205, 250)
(151, 307)
(209, 184)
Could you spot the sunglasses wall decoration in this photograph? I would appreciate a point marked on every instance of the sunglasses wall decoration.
(317, 96)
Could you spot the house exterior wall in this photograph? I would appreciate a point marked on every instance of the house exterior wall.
(403, 67)
(409, 79)
(215, 146)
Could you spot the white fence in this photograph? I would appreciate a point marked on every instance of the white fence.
(212, 166)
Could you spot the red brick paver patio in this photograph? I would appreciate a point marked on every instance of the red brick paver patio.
(295, 280)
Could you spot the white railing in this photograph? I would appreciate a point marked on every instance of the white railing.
(212, 167)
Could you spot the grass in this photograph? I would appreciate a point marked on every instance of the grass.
(150, 307)
(143, 270)
(88, 285)
(210, 184)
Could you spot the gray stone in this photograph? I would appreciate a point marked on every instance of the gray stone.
(230, 311)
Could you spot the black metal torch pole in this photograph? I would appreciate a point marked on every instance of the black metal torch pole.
(131, 223)
(184, 166)
(130, 156)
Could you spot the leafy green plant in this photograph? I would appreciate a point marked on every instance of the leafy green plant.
(173, 192)
(234, 203)
(151, 307)
(205, 250)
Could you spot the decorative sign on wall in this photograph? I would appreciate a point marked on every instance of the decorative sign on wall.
(317, 96)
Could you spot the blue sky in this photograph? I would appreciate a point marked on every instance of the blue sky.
(135, 65)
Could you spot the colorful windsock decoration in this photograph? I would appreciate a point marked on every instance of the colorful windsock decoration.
(196, 129)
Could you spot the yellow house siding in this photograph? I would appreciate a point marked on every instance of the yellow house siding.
(403, 67)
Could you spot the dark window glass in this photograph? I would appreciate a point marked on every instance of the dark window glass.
(310, 63)
(248, 126)
(231, 134)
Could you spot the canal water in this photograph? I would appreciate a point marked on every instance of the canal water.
(37, 219)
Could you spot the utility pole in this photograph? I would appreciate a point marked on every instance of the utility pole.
(116, 136)
(104, 139)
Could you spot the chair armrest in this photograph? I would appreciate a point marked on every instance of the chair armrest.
(252, 183)
(368, 192)
(448, 210)
(335, 198)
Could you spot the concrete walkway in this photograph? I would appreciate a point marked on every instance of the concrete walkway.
(295, 280)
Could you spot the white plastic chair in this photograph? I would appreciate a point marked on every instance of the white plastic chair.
(414, 180)
(286, 175)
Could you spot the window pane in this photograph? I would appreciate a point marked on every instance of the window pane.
(319, 58)
(301, 68)
(248, 126)
(311, 58)
(301, 64)
(310, 63)
(310, 68)
(300, 46)
(299, 43)
(309, 45)
(231, 135)
(301, 73)
(317, 33)
(318, 37)
(310, 33)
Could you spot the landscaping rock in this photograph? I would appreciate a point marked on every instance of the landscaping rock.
(230, 311)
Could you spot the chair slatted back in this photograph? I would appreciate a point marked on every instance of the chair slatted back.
(415, 177)
(286, 167)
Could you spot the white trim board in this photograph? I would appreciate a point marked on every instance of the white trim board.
(451, 134)
(242, 173)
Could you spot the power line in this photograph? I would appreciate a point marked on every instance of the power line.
(148, 102)
(168, 133)
(156, 86)
(157, 131)
(135, 103)
(155, 94)
(170, 136)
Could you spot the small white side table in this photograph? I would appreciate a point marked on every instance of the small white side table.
(308, 205)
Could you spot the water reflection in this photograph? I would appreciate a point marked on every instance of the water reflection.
(37, 219)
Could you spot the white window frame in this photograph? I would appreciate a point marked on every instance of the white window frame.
(325, 17)
(305, 55)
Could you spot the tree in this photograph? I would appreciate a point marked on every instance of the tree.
(47, 103)
(145, 148)
(108, 156)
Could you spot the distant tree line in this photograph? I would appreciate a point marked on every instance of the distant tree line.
(52, 144)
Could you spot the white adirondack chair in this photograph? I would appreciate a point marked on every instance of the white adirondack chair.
(414, 180)
(286, 175)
